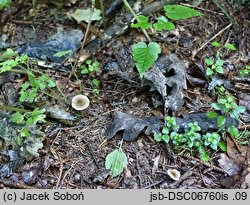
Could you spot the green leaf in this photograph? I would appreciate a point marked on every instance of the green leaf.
(145, 55)
(157, 137)
(209, 61)
(211, 114)
(96, 83)
(5, 4)
(215, 44)
(8, 54)
(222, 146)
(116, 161)
(209, 72)
(142, 22)
(221, 120)
(163, 24)
(241, 109)
(244, 72)
(17, 118)
(219, 69)
(230, 47)
(38, 115)
(86, 15)
(177, 12)
(166, 138)
(216, 106)
(233, 131)
(63, 53)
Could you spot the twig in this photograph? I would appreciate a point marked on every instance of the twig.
(213, 37)
(154, 184)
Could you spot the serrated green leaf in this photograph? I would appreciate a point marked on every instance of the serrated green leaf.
(230, 47)
(142, 22)
(178, 12)
(215, 44)
(17, 118)
(116, 161)
(8, 54)
(145, 55)
(163, 24)
(86, 14)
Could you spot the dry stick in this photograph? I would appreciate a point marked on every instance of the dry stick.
(213, 37)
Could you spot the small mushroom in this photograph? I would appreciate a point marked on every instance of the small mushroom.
(80, 102)
(174, 174)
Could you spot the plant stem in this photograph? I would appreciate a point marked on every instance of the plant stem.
(11, 108)
(134, 14)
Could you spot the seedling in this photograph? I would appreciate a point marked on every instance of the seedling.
(190, 139)
(116, 161)
(90, 69)
(214, 65)
(245, 72)
(28, 119)
(5, 4)
(35, 84)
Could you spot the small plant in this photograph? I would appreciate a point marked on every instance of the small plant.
(190, 139)
(5, 4)
(245, 72)
(28, 119)
(227, 106)
(35, 84)
(9, 62)
(144, 54)
(90, 69)
(116, 161)
(214, 65)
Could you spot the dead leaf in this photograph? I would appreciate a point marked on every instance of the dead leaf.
(230, 166)
(168, 78)
(132, 126)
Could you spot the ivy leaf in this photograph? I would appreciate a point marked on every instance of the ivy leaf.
(142, 22)
(230, 47)
(86, 14)
(145, 55)
(116, 161)
(178, 12)
(163, 24)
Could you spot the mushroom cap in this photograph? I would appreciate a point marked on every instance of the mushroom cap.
(174, 174)
(80, 102)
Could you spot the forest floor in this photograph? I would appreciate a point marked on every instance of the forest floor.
(73, 155)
